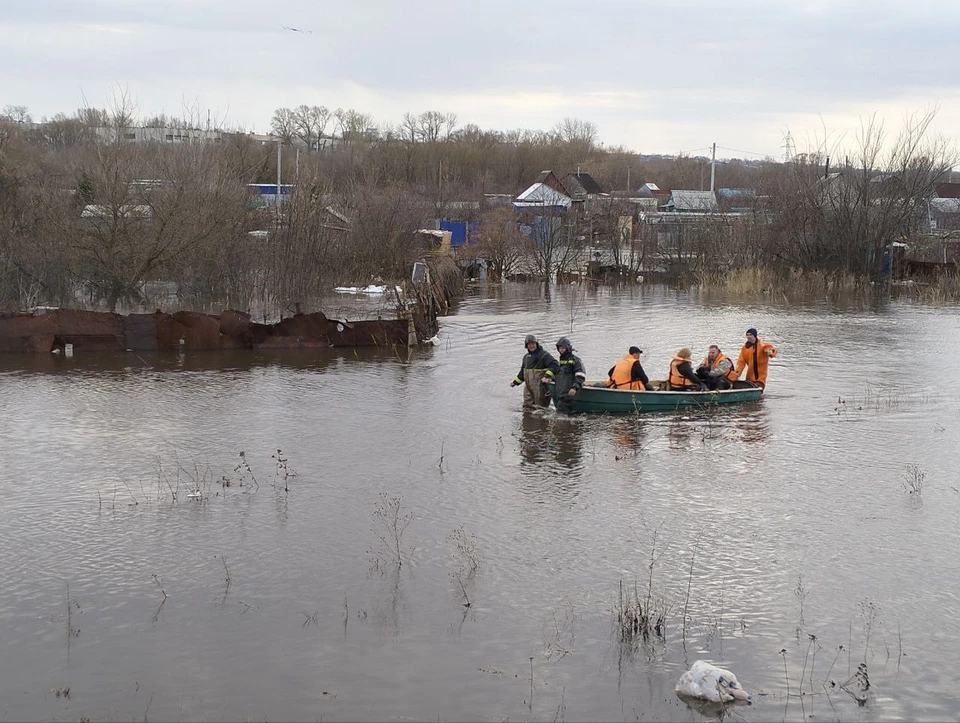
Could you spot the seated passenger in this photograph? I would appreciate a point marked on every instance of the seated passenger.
(628, 372)
(716, 371)
(682, 378)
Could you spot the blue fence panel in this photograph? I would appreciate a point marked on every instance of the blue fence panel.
(458, 231)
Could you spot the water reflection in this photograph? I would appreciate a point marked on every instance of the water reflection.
(710, 427)
(714, 711)
(546, 438)
(242, 360)
(630, 435)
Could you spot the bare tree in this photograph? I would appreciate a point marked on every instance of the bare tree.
(136, 228)
(353, 125)
(63, 132)
(93, 117)
(500, 242)
(843, 219)
(284, 125)
(577, 132)
(16, 114)
(310, 122)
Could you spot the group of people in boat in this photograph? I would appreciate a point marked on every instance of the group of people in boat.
(717, 371)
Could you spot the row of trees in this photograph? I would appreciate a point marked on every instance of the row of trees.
(84, 209)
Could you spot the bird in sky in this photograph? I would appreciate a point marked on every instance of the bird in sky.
(296, 30)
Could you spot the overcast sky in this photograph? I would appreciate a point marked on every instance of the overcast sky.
(656, 77)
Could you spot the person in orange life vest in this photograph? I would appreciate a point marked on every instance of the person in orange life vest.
(682, 378)
(754, 357)
(628, 372)
(716, 371)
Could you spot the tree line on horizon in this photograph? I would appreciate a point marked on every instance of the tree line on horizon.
(77, 223)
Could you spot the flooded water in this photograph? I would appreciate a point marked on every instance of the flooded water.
(778, 531)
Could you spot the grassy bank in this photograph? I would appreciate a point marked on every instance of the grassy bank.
(764, 283)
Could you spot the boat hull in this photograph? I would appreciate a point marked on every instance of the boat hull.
(601, 400)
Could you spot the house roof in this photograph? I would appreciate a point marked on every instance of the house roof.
(129, 210)
(945, 205)
(729, 194)
(693, 201)
(549, 179)
(541, 195)
(652, 190)
(948, 190)
(581, 183)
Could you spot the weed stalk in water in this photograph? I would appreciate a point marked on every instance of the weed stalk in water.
(801, 593)
(283, 471)
(394, 522)
(245, 472)
(686, 601)
(913, 479)
(786, 678)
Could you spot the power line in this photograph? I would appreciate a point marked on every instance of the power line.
(749, 153)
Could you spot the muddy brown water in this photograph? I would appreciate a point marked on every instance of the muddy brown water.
(734, 506)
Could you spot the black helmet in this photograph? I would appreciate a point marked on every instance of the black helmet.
(531, 339)
(564, 342)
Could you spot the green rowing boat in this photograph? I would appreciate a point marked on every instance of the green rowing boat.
(596, 398)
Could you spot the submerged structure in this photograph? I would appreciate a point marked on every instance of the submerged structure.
(52, 329)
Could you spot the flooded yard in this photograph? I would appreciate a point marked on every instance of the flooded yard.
(361, 535)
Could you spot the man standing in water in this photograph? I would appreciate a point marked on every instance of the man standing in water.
(754, 357)
(569, 379)
(537, 363)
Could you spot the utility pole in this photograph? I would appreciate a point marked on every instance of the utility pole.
(279, 165)
(713, 166)
(628, 178)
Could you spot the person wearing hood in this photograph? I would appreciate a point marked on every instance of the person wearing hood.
(628, 372)
(570, 378)
(682, 378)
(755, 357)
(537, 364)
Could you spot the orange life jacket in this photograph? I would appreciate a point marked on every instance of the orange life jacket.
(622, 370)
(731, 375)
(676, 378)
(755, 359)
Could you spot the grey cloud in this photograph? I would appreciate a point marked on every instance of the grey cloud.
(709, 61)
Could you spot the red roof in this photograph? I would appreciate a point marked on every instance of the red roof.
(948, 190)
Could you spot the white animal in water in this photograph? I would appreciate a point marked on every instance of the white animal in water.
(711, 683)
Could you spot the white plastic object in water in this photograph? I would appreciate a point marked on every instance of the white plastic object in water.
(68, 350)
(709, 682)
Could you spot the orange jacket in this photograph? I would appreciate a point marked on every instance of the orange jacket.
(731, 375)
(676, 378)
(755, 359)
(621, 378)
